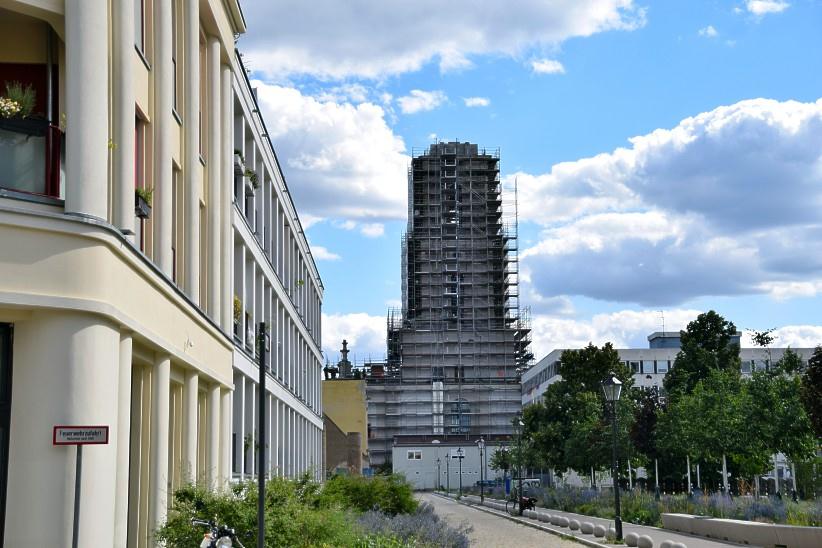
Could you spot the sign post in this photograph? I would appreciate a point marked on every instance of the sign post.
(79, 436)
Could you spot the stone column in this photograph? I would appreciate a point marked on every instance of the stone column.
(158, 497)
(191, 390)
(87, 108)
(225, 434)
(124, 116)
(123, 441)
(213, 435)
(227, 186)
(191, 147)
(215, 155)
(161, 121)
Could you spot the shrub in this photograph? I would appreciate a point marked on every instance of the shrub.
(387, 494)
(422, 528)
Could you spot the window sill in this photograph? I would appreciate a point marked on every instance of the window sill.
(33, 198)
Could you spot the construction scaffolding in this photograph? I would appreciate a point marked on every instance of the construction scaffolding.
(456, 348)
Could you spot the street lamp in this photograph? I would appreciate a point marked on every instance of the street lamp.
(481, 445)
(448, 472)
(519, 444)
(460, 456)
(612, 388)
(439, 477)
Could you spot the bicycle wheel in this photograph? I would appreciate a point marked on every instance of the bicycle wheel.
(512, 507)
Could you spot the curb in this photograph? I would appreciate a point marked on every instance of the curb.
(528, 523)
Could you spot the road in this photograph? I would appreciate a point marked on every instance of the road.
(493, 531)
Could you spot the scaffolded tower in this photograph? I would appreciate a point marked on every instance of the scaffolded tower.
(456, 348)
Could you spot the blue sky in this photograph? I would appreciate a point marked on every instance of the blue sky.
(668, 154)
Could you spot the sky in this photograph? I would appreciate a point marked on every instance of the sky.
(667, 154)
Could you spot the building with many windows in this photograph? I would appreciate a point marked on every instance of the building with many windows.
(145, 230)
(456, 349)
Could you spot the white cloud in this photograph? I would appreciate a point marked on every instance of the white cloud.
(624, 329)
(372, 230)
(547, 66)
(709, 207)
(432, 136)
(709, 32)
(365, 335)
(421, 101)
(764, 7)
(795, 336)
(323, 254)
(335, 40)
(476, 101)
(340, 160)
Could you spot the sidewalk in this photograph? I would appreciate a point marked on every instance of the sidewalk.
(657, 535)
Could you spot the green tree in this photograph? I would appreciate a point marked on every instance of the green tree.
(643, 432)
(707, 345)
(584, 370)
(811, 391)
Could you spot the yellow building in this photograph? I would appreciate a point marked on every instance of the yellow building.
(346, 420)
(135, 264)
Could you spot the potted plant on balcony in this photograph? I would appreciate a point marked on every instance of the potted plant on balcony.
(142, 202)
(252, 182)
(16, 107)
(238, 313)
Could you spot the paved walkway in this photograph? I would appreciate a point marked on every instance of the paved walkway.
(491, 530)
(657, 535)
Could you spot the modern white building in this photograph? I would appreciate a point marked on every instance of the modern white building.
(117, 314)
(423, 460)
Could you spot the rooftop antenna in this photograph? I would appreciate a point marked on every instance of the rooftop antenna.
(662, 313)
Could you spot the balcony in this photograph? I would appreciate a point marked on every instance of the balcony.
(31, 156)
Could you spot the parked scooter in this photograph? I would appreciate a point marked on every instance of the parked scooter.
(218, 536)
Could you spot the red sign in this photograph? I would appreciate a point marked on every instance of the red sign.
(80, 435)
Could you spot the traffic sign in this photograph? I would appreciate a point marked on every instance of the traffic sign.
(80, 435)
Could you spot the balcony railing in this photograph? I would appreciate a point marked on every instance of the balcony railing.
(31, 156)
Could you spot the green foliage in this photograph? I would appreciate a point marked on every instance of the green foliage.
(146, 193)
(501, 460)
(298, 512)
(387, 494)
(644, 430)
(25, 97)
(706, 345)
(811, 391)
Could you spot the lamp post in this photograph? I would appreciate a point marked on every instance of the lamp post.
(437, 486)
(448, 472)
(612, 387)
(481, 445)
(265, 346)
(519, 458)
(460, 456)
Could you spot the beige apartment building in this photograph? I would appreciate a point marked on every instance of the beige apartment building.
(145, 231)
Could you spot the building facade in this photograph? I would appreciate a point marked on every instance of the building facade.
(427, 462)
(346, 419)
(123, 241)
(456, 348)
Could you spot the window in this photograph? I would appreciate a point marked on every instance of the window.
(635, 367)
(647, 366)
(662, 366)
(414, 455)
(176, 28)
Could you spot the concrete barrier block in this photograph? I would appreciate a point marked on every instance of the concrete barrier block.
(678, 545)
(678, 522)
(599, 531)
(563, 521)
(544, 516)
(644, 541)
(631, 539)
(554, 519)
(666, 544)
(574, 525)
(587, 527)
(611, 534)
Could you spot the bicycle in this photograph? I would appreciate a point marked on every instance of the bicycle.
(512, 506)
(219, 536)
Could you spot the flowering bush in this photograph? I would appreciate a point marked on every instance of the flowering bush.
(8, 107)
(422, 528)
